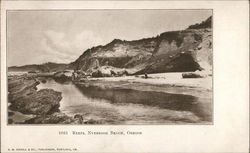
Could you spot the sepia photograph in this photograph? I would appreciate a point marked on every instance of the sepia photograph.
(110, 67)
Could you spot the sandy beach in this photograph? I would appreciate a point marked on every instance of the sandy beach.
(162, 82)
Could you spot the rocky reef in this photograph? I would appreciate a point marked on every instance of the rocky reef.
(24, 97)
(42, 104)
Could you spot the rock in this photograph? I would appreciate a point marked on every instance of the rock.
(44, 101)
(19, 86)
(101, 73)
(92, 121)
(62, 76)
(113, 73)
(122, 73)
(55, 118)
(43, 104)
(96, 74)
(10, 113)
(192, 75)
(25, 98)
(61, 118)
(44, 81)
(10, 121)
(19, 118)
(79, 117)
(108, 71)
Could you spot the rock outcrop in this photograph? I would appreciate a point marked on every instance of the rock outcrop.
(55, 118)
(175, 51)
(24, 97)
(43, 104)
(61, 118)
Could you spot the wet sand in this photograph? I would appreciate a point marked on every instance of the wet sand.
(161, 82)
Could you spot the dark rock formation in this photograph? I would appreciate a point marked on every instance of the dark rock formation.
(61, 118)
(19, 86)
(97, 74)
(192, 75)
(44, 101)
(62, 76)
(24, 97)
(55, 118)
(43, 81)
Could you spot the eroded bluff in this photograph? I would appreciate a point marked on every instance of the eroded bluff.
(175, 51)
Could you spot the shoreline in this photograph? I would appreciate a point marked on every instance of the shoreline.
(155, 83)
(160, 82)
(164, 79)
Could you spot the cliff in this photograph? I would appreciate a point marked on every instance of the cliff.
(175, 51)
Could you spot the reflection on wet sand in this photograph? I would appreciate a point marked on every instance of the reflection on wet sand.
(127, 106)
(177, 102)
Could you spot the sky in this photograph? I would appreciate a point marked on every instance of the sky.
(36, 37)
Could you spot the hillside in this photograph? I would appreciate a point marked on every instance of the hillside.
(175, 51)
(46, 67)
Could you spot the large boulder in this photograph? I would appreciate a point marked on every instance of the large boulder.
(97, 74)
(102, 72)
(196, 74)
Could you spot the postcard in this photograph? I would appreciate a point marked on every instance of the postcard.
(124, 76)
